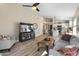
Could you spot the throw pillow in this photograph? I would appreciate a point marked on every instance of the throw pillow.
(66, 37)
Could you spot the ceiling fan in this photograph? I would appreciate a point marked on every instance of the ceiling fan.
(34, 6)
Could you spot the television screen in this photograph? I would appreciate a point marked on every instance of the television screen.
(26, 28)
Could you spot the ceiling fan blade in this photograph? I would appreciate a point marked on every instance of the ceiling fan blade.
(37, 9)
(26, 6)
(35, 4)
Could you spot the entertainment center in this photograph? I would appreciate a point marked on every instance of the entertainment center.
(26, 32)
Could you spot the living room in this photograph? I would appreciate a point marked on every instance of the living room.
(12, 15)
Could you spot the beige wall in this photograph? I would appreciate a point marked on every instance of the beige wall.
(12, 14)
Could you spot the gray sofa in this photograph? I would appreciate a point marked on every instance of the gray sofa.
(7, 43)
(62, 43)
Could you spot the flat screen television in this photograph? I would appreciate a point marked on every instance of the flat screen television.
(26, 28)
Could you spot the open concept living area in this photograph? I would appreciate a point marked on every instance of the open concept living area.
(39, 29)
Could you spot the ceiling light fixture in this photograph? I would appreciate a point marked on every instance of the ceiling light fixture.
(34, 8)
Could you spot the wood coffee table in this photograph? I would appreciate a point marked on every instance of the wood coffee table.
(46, 44)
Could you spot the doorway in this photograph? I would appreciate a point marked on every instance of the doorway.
(59, 28)
(47, 29)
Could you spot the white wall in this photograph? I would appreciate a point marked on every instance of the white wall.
(12, 14)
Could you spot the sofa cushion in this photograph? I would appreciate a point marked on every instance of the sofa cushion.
(59, 44)
(70, 46)
(54, 53)
(75, 41)
(6, 44)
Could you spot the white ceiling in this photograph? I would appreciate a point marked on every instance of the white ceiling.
(59, 10)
